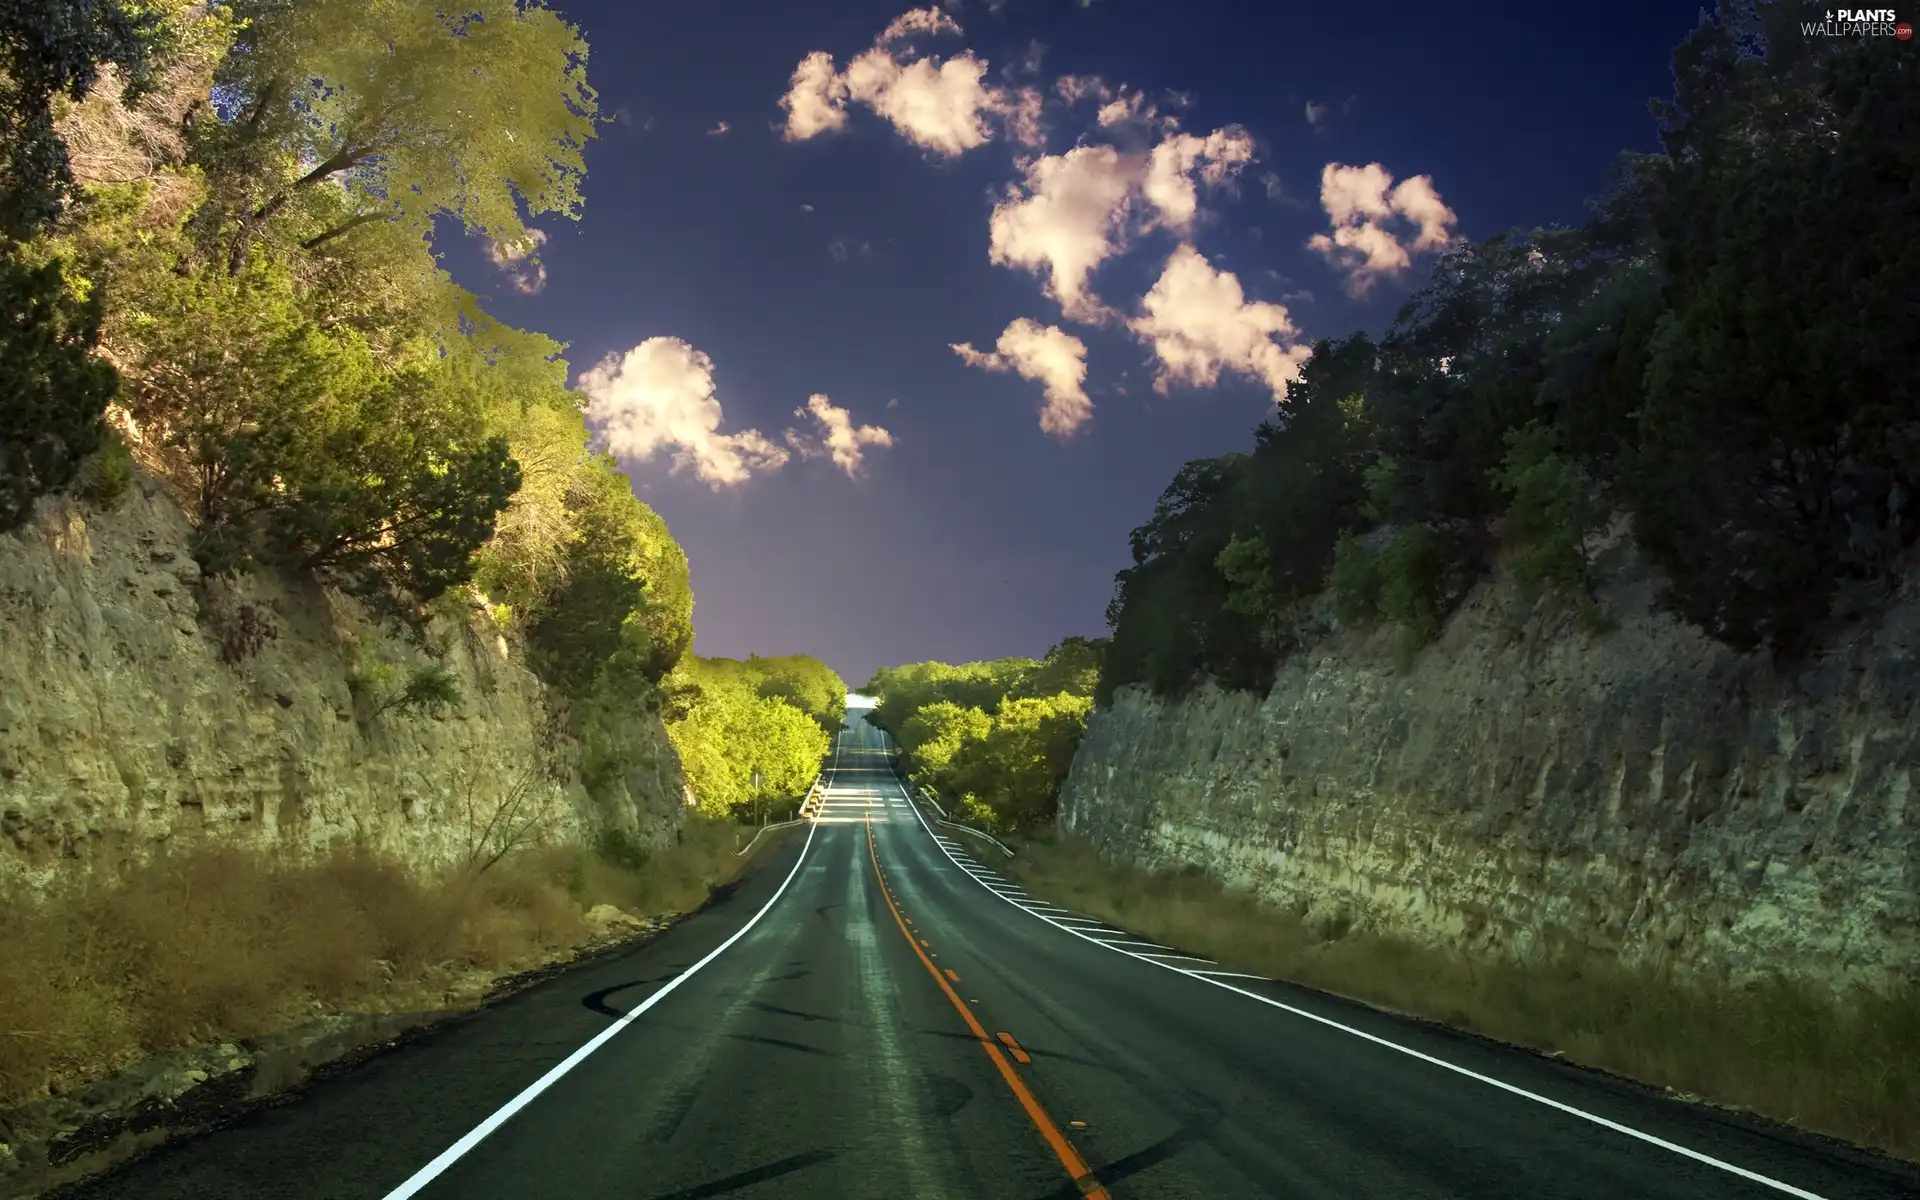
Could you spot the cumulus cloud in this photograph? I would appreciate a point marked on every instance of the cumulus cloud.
(1072, 211)
(1169, 184)
(838, 437)
(816, 99)
(520, 259)
(1317, 113)
(1064, 221)
(1359, 201)
(946, 107)
(1049, 356)
(1200, 323)
(658, 398)
(719, 129)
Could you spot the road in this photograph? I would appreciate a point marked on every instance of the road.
(875, 1011)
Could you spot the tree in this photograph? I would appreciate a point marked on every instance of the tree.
(49, 49)
(1072, 665)
(1779, 447)
(1557, 509)
(55, 388)
(1016, 770)
(936, 733)
(408, 110)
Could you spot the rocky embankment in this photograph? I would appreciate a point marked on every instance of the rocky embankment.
(1527, 787)
(140, 702)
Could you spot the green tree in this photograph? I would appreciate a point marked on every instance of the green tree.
(1016, 770)
(935, 733)
(51, 49)
(1556, 511)
(1778, 449)
(55, 388)
(412, 110)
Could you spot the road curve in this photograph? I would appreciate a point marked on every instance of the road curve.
(876, 1011)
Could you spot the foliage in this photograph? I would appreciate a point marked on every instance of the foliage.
(408, 111)
(55, 388)
(1704, 353)
(939, 731)
(800, 679)
(51, 49)
(381, 686)
(1016, 770)
(996, 738)
(733, 733)
(106, 474)
(901, 691)
(1556, 510)
(1780, 446)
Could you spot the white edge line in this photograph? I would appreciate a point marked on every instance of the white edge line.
(453, 1153)
(1536, 1097)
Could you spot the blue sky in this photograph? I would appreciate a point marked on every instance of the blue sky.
(841, 247)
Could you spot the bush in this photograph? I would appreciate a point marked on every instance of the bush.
(380, 686)
(107, 473)
(1557, 509)
(54, 389)
(1354, 581)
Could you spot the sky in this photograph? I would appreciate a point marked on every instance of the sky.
(903, 318)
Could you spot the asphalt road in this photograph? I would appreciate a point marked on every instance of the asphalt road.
(876, 1012)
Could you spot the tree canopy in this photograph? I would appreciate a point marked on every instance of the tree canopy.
(995, 738)
(1725, 353)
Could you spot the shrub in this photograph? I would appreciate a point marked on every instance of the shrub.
(54, 389)
(107, 473)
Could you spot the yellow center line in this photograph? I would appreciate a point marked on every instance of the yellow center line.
(1077, 1168)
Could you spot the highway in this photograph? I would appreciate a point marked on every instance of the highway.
(876, 1011)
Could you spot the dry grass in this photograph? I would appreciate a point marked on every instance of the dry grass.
(1848, 1066)
(214, 943)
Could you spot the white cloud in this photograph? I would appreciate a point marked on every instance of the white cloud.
(1358, 201)
(839, 438)
(658, 398)
(1169, 183)
(1317, 114)
(719, 128)
(894, 403)
(915, 23)
(1070, 213)
(1051, 357)
(806, 208)
(1065, 220)
(816, 101)
(1200, 323)
(1075, 88)
(520, 259)
(943, 106)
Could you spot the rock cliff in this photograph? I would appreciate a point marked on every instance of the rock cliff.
(140, 702)
(1526, 787)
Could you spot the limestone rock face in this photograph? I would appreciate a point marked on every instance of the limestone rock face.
(139, 702)
(1526, 786)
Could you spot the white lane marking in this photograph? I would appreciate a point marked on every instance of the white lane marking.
(1152, 945)
(1232, 975)
(1186, 957)
(451, 1154)
(1639, 1135)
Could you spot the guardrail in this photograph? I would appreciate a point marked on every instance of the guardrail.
(927, 793)
(809, 809)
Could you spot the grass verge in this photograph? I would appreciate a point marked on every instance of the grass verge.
(1848, 1066)
(213, 943)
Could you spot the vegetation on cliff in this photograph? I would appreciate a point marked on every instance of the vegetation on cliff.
(1727, 353)
(228, 266)
(994, 738)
